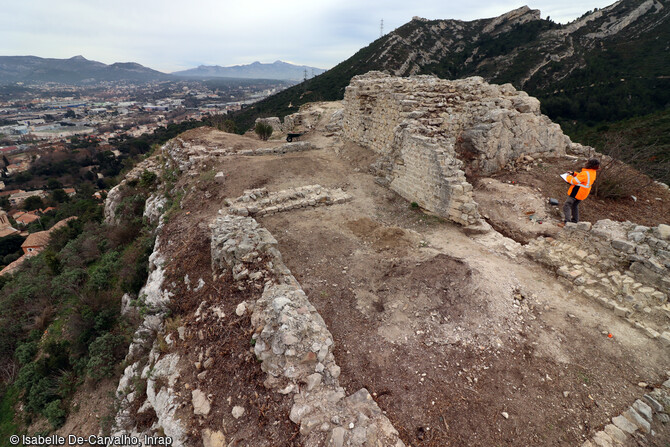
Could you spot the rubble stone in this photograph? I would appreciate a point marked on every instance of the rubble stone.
(200, 402)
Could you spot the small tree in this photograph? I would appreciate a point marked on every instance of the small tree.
(33, 203)
(263, 130)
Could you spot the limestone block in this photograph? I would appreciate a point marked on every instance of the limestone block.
(200, 402)
(643, 409)
(663, 231)
(665, 338)
(635, 418)
(602, 439)
(623, 246)
(615, 433)
(624, 424)
(213, 438)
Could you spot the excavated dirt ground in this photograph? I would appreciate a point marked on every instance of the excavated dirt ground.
(458, 343)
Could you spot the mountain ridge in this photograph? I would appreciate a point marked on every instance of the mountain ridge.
(574, 69)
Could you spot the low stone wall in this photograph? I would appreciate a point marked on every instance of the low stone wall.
(298, 146)
(294, 344)
(428, 131)
(259, 202)
(651, 410)
(626, 267)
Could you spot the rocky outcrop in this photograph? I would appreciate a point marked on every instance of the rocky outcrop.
(612, 27)
(148, 382)
(428, 131)
(507, 21)
(116, 194)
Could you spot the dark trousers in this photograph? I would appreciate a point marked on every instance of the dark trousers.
(571, 210)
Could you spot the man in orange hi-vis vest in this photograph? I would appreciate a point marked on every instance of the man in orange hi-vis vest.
(580, 187)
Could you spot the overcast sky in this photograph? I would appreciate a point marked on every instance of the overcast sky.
(171, 35)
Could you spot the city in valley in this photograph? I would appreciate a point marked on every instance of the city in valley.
(57, 140)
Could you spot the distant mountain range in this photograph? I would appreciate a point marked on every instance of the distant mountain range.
(276, 70)
(608, 65)
(75, 70)
(78, 70)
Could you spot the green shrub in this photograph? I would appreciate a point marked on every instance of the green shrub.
(147, 179)
(40, 395)
(101, 275)
(104, 354)
(28, 376)
(8, 401)
(263, 130)
(136, 265)
(56, 354)
(6, 260)
(55, 413)
(25, 352)
(69, 282)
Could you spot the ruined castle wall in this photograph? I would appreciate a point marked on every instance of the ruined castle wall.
(424, 128)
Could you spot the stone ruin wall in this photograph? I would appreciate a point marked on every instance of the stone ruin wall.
(427, 131)
(624, 266)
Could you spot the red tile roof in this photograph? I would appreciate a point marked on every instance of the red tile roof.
(36, 240)
(27, 218)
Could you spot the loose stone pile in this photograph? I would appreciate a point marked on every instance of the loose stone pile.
(259, 202)
(624, 266)
(423, 126)
(294, 344)
(639, 417)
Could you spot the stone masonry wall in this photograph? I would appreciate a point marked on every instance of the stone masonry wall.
(426, 129)
(626, 267)
(259, 202)
(294, 344)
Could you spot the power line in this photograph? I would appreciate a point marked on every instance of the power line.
(381, 28)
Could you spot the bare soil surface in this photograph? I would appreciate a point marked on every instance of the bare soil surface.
(459, 343)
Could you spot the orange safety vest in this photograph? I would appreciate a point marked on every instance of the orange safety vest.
(581, 183)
